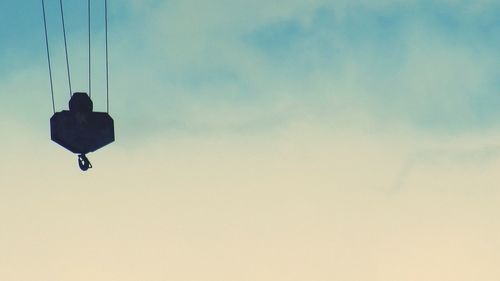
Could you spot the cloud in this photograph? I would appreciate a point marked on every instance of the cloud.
(395, 63)
(236, 66)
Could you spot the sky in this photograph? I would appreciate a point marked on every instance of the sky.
(256, 140)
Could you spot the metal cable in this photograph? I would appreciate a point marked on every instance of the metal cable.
(66, 47)
(107, 54)
(48, 56)
(90, 53)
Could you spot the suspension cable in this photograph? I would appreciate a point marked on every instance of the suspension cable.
(48, 56)
(90, 52)
(107, 53)
(66, 47)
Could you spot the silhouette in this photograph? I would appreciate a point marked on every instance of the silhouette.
(80, 130)
(84, 162)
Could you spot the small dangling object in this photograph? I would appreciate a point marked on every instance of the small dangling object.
(84, 162)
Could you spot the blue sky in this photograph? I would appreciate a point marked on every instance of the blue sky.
(431, 66)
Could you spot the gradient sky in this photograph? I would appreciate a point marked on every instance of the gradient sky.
(257, 140)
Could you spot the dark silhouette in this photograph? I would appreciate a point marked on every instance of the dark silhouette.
(80, 130)
(84, 162)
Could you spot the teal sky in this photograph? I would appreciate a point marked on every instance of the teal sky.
(424, 65)
(257, 140)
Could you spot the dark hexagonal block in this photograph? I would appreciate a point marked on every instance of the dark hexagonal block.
(82, 131)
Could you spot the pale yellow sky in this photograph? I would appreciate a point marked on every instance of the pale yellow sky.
(300, 204)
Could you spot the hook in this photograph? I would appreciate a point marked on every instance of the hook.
(84, 162)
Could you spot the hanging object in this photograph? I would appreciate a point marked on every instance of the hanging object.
(80, 129)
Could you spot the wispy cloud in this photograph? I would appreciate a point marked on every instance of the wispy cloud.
(431, 66)
(426, 65)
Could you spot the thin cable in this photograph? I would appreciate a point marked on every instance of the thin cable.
(48, 56)
(107, 54)
(66, 47)
(90, 53)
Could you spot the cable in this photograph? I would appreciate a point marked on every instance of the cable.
(107, 53)
(90, 53)
(65, 47)
(48, 56)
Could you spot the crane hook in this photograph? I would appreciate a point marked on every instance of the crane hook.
(84, 162)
